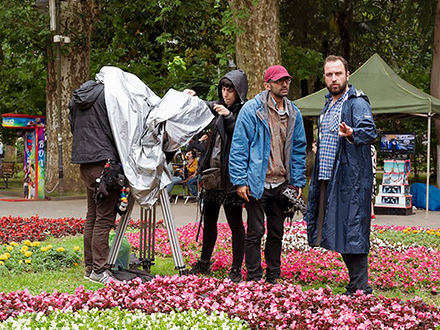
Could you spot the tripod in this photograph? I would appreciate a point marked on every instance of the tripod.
(147, 234)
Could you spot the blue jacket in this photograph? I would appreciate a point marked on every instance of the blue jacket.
(346, 227)
(250, 149)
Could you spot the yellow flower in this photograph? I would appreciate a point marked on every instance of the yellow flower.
(75, 264)
(44, 249)
(20, 261)
(2, 263)
(60, 249)
(8, 254)
(9, 248)
(76, 248)
(28, 254)
(3, 257)
(381, 231)
(27, 242)
(415, 231)
(24, 248)
(13, 244)
(438, 234)
(49, 246)
(36, 244)
(28, 261)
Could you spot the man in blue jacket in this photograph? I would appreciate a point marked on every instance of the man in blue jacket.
(268, 151)
(339, 208)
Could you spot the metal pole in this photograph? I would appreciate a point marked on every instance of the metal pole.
(428, 164)
(172, 232)
(120, 231)
(59, 98)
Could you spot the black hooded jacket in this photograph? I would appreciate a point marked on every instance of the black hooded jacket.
(92, 136)
(224, 126)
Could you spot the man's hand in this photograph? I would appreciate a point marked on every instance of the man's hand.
(190, 92)
(203, 138)
(345, 130)
(244, 192)
(300, 192)
(221, 110)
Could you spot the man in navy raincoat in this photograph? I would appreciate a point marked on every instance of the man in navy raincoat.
(339, 208)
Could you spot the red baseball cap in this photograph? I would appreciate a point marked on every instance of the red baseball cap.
(276, 72)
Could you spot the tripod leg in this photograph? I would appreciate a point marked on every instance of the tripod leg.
(120, 231)
(172, 232)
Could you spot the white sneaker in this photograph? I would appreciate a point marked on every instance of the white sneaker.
(100, 277)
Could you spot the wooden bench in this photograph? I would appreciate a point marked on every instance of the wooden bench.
(7, 172)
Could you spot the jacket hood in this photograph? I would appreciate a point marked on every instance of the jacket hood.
(239, 79)
(86, 94)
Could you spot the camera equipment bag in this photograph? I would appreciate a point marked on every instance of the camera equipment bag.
(112, 178)
(211, 178)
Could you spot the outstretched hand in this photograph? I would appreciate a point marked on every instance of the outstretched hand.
(345, 130)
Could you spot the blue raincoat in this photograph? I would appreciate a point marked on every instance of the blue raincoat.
(346, 227)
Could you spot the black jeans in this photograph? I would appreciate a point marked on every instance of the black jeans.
(235, 221)
(99, 220)
(357, 265)
(271, 205)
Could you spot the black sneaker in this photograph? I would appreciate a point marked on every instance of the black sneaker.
(235, 274)
(200, 267)
(274, 280)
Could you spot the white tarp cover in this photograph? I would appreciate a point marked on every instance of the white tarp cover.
(144, 126)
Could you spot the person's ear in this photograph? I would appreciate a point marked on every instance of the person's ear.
(267, 86)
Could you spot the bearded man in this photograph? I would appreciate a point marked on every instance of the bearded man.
(339, 208)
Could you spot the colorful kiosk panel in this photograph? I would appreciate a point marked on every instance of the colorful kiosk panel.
(34, 152)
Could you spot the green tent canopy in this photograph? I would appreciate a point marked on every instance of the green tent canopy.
(388, 93)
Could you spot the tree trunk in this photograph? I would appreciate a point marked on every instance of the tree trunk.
(435, 81)
(75, 22)
(258, 40)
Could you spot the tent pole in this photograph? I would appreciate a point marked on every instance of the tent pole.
(428, 164)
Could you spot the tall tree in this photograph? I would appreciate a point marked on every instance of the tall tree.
(76, 21)
(435, 80)
(258, 38)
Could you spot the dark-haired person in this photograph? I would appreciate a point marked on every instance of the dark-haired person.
(268, 152)
(232, 92)
(339, 208)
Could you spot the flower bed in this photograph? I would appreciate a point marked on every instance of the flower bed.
(34, 256)
(261, 305)
(35, 228)
(392, 265)
(123, 319)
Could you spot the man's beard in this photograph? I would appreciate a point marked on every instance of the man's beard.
(338, 91)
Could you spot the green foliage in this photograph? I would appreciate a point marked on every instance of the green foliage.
(24, 35)
(124, 319)
(35, 257)
(144, 38)
(409, 237)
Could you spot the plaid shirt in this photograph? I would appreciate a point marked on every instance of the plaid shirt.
(329, 136)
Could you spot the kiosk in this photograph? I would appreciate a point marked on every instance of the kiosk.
(394, 196)
(34, 151)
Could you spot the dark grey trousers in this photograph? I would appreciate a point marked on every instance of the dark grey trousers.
(99, 220)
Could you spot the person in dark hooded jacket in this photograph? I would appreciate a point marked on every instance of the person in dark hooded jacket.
(93, 146)
(232, 93)
(339, 208)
